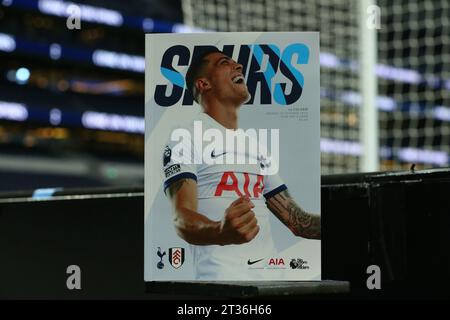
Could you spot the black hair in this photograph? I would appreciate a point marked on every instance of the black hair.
(196, 65)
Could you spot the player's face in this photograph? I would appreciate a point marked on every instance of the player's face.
(226, 79)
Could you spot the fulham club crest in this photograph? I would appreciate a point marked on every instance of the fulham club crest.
(176, 257)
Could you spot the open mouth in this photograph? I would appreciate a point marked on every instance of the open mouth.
(238, 79)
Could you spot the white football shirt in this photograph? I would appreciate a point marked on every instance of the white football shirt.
(219, 183)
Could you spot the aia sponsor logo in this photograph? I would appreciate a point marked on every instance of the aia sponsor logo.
(239, 184)
(276, 262)
(269, 263)
(176, 257)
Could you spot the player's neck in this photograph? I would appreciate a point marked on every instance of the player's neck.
(226, 116)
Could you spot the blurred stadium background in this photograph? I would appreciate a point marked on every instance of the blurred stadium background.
(72, 101)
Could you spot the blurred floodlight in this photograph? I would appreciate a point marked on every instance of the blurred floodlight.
(55, 51)
(424, 156)
(88, 13)
(148, 24)
(113, 122)
(182, 28)
(340, 147)
(55, 116)
(22, 75)
(442, 113)
(7, 43)
(118, 60)
(13, 111)
(7, 3)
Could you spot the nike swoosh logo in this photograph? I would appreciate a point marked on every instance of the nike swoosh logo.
(213, 155)
(253, 262)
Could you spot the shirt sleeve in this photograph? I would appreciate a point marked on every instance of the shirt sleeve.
(269, 168)
(178, 162)
(273, 185)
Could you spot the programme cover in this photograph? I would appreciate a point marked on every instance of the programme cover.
(232, 181)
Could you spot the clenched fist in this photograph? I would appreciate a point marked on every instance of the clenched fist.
(239, 224)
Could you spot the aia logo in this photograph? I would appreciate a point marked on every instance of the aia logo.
(276, 262)
(176, 257)
(239, 184)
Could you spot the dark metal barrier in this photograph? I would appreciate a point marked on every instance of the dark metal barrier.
(398, 221)
(101, 233)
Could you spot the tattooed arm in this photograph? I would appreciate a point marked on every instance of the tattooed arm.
(300, 222)
(238, 225)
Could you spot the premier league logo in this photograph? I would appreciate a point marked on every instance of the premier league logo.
(299, 264)
(167, 155)
(176, 257)
(160, 254)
